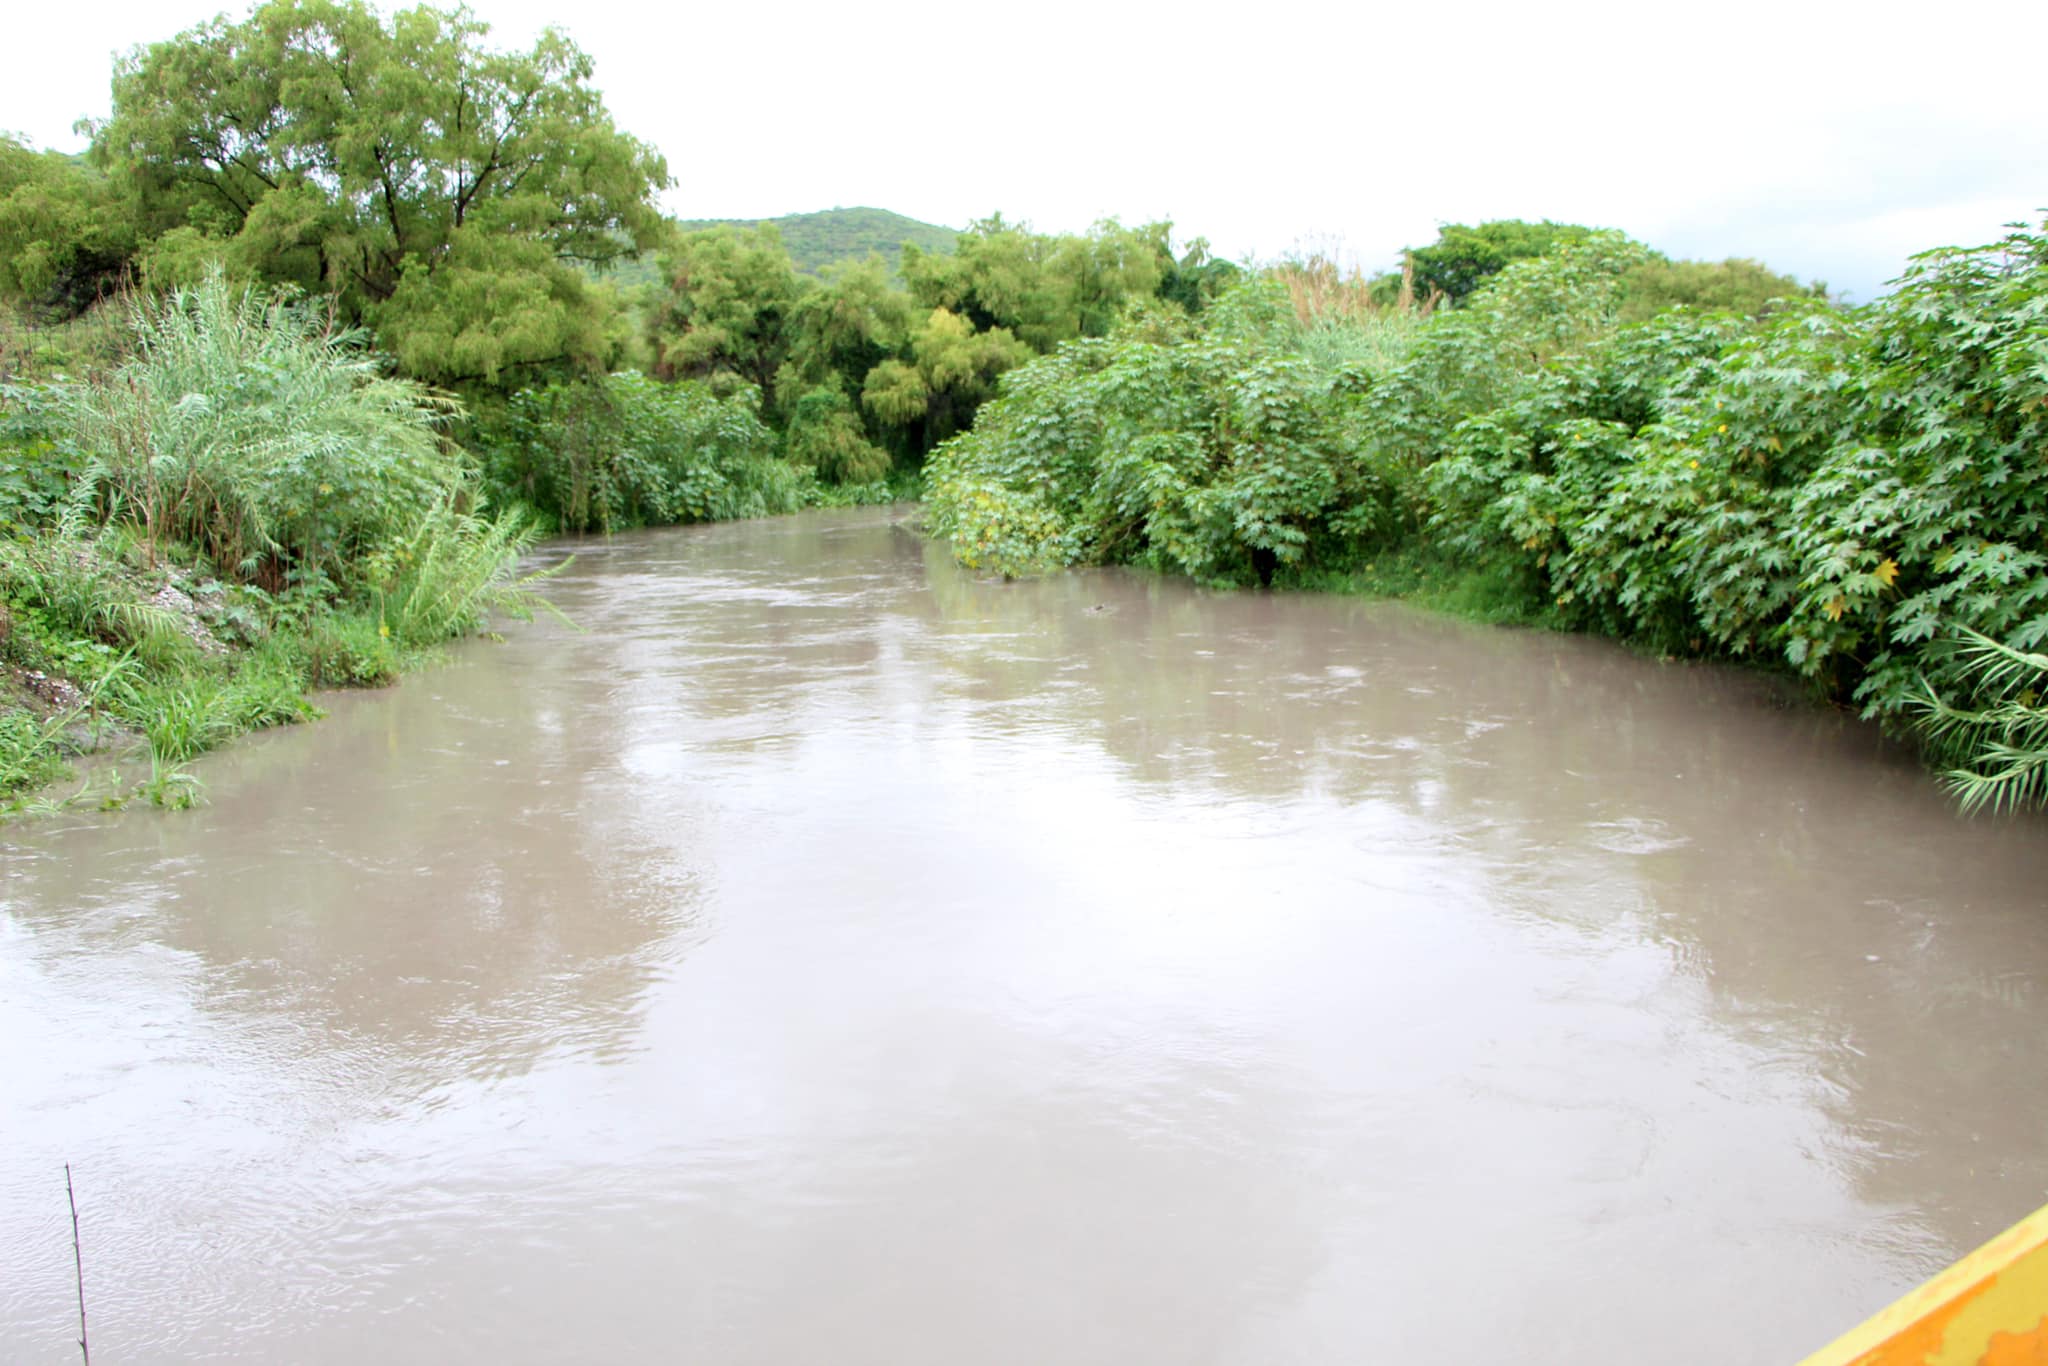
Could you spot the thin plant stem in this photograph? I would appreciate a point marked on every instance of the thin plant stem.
(77, 1265)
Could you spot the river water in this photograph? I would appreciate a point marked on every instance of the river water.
(825, 956)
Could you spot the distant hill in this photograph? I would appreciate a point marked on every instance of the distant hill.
(816, 240)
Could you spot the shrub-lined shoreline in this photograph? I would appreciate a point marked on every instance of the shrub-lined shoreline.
(1858, 497)
(357, 359)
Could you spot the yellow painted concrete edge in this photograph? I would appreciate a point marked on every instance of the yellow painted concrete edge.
(1992, 1306)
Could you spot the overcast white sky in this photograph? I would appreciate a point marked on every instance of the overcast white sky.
(1830, 140)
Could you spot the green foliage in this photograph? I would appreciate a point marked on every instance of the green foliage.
(1733, 286)
(1844, 493)
(726, 308)
(2000, 741)
(818, 241)
(442, 577)
(734, 310)
(171, 787)
(443, 192)
(1219, 455)
(74, 610)
(348, 649)
(600, 455)
(244, 429)
(847, 326)
(1198, 278)
(1463, 256)
(38, 462)
(1469, 360)
(950, 371)
(33, 749)
(1042, 289)
(1930, 516)
(36, 347)
(268, 687)
(181, 717)
(1840, 491)
(66, 234)
(242, 438)
(1359, 348)
(825, 433)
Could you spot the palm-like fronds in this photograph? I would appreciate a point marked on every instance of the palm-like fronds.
(2000, 746)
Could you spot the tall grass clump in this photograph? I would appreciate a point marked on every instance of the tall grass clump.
(1321, 289)
(450, 569)
(33, 750)
(72, 608)
(244, 427)
(1348, 320)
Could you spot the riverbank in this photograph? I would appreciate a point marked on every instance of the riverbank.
(238, 506)
(108, 652)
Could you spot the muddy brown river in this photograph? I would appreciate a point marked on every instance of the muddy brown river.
(825, 956)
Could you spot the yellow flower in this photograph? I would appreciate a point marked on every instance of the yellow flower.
(384, 629)
(1724, 429)
(1692, 464)
(327, 488)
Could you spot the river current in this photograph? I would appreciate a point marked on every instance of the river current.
(819, 954)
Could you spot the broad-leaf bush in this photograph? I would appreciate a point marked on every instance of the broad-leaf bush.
(1220, 453)
(1847, 494)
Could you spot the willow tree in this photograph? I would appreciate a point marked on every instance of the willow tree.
(445, 193)
(66, 233)
(727, 306)
(1044, 289)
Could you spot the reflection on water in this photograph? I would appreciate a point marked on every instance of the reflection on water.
(825, 955)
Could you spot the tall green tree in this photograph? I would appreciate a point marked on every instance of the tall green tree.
(950, 372)
(1044, 289)
(66, 233)
(1464, 255)
(731, 293)
(855, 321)
(1736, 285)
(446, 193)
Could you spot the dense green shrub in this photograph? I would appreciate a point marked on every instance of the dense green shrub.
(626, 450)
(66, 232)
(240, 440)
(444, 193)
(39, 463)
(1851, 494)
(727, 308)
(825, 433)
(1469, 360)
(243, 428)
(1734, 286)
(1527, 483)
(1464, 257)
(1221, 453)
